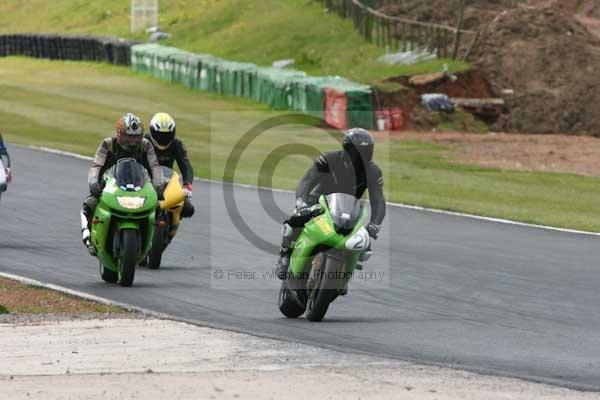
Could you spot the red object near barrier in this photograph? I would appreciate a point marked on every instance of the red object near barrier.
(397, 119)
(384, 120)
(390, 119)
(335, 108)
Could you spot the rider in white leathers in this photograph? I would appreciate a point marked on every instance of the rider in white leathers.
(5, 172)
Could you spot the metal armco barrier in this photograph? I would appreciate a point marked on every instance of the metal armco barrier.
(55, 47)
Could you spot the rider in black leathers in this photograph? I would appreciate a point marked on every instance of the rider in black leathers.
(169, 149)
(351, 171)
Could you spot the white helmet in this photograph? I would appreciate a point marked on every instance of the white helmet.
(130, 132)
(162, 130)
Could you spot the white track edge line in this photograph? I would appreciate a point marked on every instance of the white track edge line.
(399, 205)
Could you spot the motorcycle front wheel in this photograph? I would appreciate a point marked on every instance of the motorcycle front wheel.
(128, 258)
(324, 291)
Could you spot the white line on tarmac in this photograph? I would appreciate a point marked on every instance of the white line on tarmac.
(399, 205)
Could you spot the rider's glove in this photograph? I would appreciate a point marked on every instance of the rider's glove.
(373, 230)
(8, 175)
(187, 188)
(96, 189)
(301, 207)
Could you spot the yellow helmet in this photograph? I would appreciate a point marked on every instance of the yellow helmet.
(162, 130)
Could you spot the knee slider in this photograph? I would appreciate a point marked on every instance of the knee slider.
(287, 230)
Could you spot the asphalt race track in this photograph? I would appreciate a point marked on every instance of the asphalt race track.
(483, 296)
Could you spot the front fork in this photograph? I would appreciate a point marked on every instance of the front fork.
(117, 236)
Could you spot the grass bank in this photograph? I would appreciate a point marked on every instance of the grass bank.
(17, 298)
(252, 31)
(72, 106)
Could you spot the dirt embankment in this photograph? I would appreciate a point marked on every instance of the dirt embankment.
(477, 12)
(547, 67)
(467, 84)
(544, 153)
(541, 56)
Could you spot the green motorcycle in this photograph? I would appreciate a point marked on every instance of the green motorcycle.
(325, 256)
(123, 222)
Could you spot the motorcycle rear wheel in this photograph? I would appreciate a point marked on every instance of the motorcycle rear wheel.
(158, 246)
(108, 275)
(286, 303)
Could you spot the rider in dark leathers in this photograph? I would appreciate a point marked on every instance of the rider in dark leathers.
(169, 149)
(129, 142)
(351, 171)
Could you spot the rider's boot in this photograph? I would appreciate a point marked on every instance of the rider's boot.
(188, 208)
(344, 289)
(283, 262)
(86, 236)
(285, 251)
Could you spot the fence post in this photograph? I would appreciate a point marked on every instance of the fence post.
(461, 16)
(389, 32)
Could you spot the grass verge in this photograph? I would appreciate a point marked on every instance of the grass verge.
(17, 298)
(72, 106)
(253, 31)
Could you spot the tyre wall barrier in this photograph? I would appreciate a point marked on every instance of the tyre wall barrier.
(281, 89)
(56, 47)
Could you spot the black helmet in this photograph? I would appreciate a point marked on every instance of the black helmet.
(358, 145)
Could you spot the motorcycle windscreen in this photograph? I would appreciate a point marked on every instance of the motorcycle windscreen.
(130, 175)
(345, 210)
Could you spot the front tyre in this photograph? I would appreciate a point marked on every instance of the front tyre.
(325, 290)
(287, 305)
(128, 259)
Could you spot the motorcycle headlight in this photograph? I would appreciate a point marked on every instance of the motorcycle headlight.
(131, 203)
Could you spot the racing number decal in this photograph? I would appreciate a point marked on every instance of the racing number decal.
(324, 225)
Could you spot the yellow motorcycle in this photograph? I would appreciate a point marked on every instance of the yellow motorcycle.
(168, 216)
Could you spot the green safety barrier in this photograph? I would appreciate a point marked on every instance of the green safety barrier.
(308, 96)
(359, 103)
(182, 68)
(281, 89)
(162, 68)
(273, 86)
(142, 57)
(235, 78)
